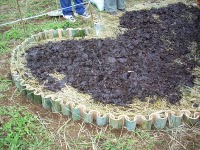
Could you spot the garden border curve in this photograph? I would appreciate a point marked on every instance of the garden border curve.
(158, 120)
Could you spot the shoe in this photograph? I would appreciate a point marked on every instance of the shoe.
(69, 17)
(85, 15)
(123, 10)
(113, 13)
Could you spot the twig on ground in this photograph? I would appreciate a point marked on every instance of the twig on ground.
(11, 98)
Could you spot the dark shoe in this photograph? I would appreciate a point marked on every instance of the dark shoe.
(85, 15)
(123, 10)
(113, 13)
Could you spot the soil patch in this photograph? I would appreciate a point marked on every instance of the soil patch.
(154, 57)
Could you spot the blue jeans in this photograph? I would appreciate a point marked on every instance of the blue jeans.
(113, 5)
(67, 7)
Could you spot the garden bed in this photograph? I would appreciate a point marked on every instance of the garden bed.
(155, 60)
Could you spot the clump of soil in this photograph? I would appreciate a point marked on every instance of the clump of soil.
(152, 58)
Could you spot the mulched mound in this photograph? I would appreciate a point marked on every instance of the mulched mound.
(152, 58)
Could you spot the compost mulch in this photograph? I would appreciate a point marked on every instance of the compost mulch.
(153, 57)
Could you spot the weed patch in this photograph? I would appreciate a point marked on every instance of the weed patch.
(4, 47)
(20, 130)
(4, 84)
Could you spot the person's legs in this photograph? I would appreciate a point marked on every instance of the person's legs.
(79, 7)
(110, 5)
(66, 7)
(121, 4)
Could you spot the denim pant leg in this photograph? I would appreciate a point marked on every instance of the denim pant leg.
(120, 4)
(110, 5)
(66, 6)
(80, 7)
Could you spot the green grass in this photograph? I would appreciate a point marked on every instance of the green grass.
(21, 130)
(51, 24)
(4, 84)
(18, 128)
(85, 139)
(118, 144)
(16, 33)
(4, 47)
(30, 8)
(136, 139)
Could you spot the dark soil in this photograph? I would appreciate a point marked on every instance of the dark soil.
(152, 58)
